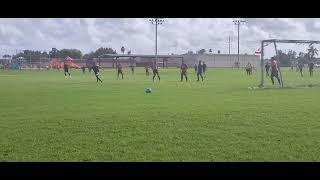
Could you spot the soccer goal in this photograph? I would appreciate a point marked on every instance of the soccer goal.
(290, 62)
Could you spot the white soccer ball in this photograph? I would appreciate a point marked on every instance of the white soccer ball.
(148, 90)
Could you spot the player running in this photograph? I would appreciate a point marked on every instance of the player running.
(195, 68)
(147, 70)
(274, 70)
(267, 67)
(183, 68)
(200, 70)
(311, 66)
(95, 69)
(119, 66)
(300, 67)
(66, 70)
(83, 69)
(204, 66)
(155, 72)
(132, 69)
(249, 69)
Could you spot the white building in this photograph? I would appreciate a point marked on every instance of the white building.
(222, 60)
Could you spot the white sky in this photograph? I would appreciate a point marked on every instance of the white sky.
(175, 35)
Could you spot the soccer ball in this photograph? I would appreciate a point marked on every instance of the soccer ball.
(148, 90)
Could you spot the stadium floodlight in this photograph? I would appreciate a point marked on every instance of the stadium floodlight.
(238, 22)
(156, 22)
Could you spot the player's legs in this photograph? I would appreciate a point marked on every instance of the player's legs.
(158, 75)
(122, 74)
(272, 74)
(66, 71)
(184, 73)
(154, 75)
(200, 74)
(98, 79)
(301, 72)
(277, 76)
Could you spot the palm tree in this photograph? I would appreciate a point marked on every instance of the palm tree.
(312, 52)
(6, 56)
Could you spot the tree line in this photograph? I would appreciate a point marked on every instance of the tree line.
(292, 58)
(63, 53)
(285, 58)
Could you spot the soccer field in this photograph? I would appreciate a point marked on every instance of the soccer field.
(45, 117)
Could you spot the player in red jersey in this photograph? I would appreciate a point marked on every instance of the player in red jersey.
(274, 70)
(183, 69)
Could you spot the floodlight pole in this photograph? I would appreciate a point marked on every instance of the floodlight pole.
(156, 41)
(156, 21)
(229, 45)
(238, 22)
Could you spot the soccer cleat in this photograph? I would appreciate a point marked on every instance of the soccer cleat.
(70, 76)
(65, 77)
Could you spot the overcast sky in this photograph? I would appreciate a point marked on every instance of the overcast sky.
(138, 35)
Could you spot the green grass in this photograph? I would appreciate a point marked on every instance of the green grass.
(45, 117)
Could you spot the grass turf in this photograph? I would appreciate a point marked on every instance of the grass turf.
(45, 117)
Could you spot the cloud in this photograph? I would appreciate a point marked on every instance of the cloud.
(175, 35)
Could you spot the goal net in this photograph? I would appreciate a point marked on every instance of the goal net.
(294, 58)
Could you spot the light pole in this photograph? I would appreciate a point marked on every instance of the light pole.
(156, 21)
(229, 45)
(238, 22)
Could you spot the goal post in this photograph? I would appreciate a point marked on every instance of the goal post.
(274, 42)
